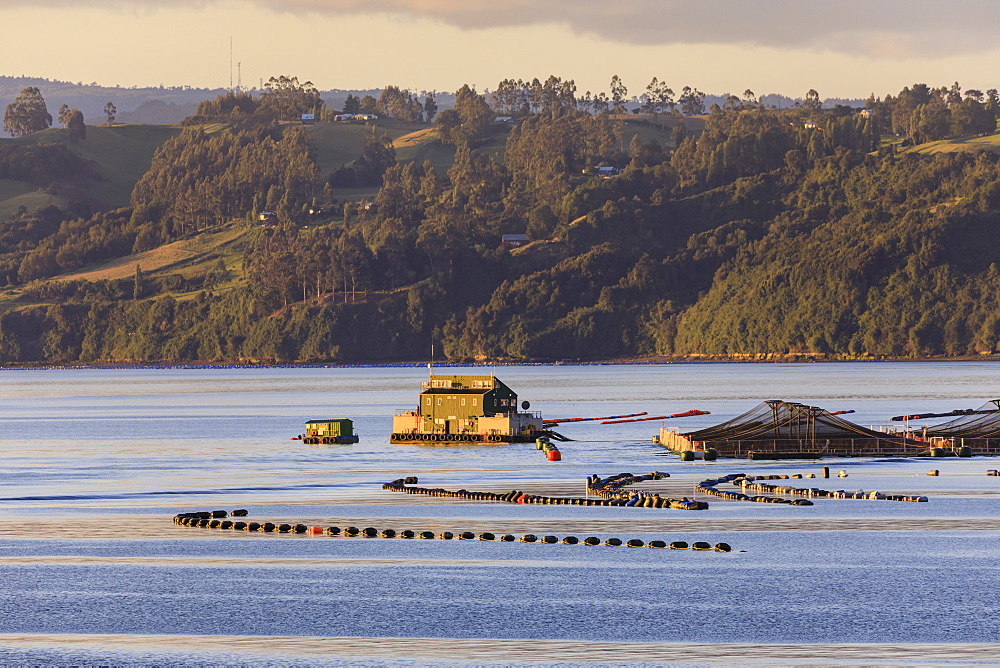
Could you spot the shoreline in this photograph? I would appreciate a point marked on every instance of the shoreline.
(651, 360)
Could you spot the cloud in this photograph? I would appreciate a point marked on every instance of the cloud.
(888, 29)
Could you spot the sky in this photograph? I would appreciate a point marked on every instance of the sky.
(841, 48)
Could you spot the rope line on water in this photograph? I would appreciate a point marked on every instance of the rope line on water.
(216, 519)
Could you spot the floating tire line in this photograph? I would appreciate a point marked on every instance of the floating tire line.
(751, 483)
(216, 519)
(609, 492)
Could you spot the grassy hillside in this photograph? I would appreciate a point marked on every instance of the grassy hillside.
(17, 194)
(339, 143)
(423, 145)
(191, 257)
(960, 145)
(188, 257)
(118, 156)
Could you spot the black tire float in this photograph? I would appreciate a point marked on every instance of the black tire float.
(196, 519)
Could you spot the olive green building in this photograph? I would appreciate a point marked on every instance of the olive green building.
(465, 408)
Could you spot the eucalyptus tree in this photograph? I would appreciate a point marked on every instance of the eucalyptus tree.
(27, 113)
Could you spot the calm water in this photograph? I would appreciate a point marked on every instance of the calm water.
(93, 463)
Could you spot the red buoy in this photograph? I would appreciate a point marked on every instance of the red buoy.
(315, 530)
(554, 455)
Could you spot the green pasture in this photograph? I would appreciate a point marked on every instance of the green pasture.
(961, 144)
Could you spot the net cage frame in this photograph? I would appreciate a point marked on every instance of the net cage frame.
(984, 422)
(776, 419)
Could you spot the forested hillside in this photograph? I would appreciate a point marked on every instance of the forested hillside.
(747, 231)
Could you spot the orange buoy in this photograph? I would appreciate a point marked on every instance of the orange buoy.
(315, 530)
(554, 455)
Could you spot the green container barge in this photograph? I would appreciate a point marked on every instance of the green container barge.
(329, 432)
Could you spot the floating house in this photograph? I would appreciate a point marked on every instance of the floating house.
(466, 409)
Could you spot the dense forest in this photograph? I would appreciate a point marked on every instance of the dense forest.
(807, 231)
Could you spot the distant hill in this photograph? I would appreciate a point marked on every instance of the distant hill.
(160, 105)
(157, 112)
(163, 105)
(91, 98)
